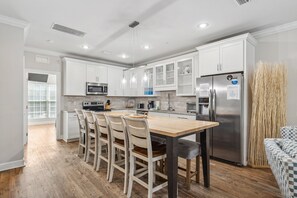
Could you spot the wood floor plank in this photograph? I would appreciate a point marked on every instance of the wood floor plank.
(53, 169)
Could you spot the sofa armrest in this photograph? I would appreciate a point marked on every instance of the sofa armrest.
(283, 167)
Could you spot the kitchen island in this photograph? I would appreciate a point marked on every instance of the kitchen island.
(172, 129)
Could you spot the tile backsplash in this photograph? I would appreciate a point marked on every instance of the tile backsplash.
(75, 102)
(177, 102)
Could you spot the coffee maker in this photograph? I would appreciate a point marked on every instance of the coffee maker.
(151, 104)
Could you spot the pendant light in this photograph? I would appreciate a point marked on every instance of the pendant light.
(133, 79)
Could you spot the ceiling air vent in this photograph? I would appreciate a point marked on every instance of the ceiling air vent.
(68, 30)
(241, 2)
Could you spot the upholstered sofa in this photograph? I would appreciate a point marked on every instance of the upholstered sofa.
(282, 158)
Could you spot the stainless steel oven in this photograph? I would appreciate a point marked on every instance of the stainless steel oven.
(96, 88)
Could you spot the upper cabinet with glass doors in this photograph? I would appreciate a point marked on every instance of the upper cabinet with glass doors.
(165, 76)
(148, 81)
(185, 77)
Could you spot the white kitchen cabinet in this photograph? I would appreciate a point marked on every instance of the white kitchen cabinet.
(97, 73)
(115, 76)
(186, 117)
(182, 116)
(128, 111)
(126, 83)
(140, 81)
(150, 113)
(231, 57)
(185, 77)
(148, 82)
(224, 56)
(70, 126)
(74, 78)
(165, 78)
(159, 74)
(176, 116)
(133, 82)
(209, 60)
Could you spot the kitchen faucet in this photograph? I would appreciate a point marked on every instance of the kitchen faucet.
(170, 108)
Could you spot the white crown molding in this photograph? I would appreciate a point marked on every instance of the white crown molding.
(275, 30)
(165, 58)
(14, 22)
(12, 165)
(44, 52)
(62, 55)
(246, 36)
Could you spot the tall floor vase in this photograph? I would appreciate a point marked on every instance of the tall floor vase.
(268, 109)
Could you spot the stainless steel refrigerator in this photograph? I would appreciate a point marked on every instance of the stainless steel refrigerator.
(220, 98)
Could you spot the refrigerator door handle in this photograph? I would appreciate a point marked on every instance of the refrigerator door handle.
(210, 105)
(214, 105)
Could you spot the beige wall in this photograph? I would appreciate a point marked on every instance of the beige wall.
(282, 47)
(11, 99)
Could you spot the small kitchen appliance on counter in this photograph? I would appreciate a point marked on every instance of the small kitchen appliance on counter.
(191, 107)
(107, 105)
(151, 104)
(157, 105)
(140, 105)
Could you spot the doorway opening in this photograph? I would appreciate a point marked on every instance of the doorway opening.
(41, 108)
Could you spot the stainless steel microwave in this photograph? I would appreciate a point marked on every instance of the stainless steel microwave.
(96, 88)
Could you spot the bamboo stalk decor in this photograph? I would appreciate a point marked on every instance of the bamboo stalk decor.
(268, 109)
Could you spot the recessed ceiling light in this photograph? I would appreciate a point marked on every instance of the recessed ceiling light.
(146, 47)
(85, 46)
(203, 25)
(124, 56)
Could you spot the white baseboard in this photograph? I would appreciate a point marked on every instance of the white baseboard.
(12, 165)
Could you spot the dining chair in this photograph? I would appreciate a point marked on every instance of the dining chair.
(141, 147)
(119, 142)
(82, 148)
(189, 150)
(103, 140)
(91, 134)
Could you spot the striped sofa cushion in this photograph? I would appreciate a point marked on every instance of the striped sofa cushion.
(290, 147)
(289, 132)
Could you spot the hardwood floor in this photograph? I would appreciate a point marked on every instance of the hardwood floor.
(53, 169)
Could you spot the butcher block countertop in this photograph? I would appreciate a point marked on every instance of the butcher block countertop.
(173, 127)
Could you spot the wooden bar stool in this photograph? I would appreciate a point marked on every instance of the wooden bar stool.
(119, 141)
(189, 150)
(103, 140)
(91, 134)
(141, 147)
(82, 148)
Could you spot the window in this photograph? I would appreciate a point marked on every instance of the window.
(41, 100)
